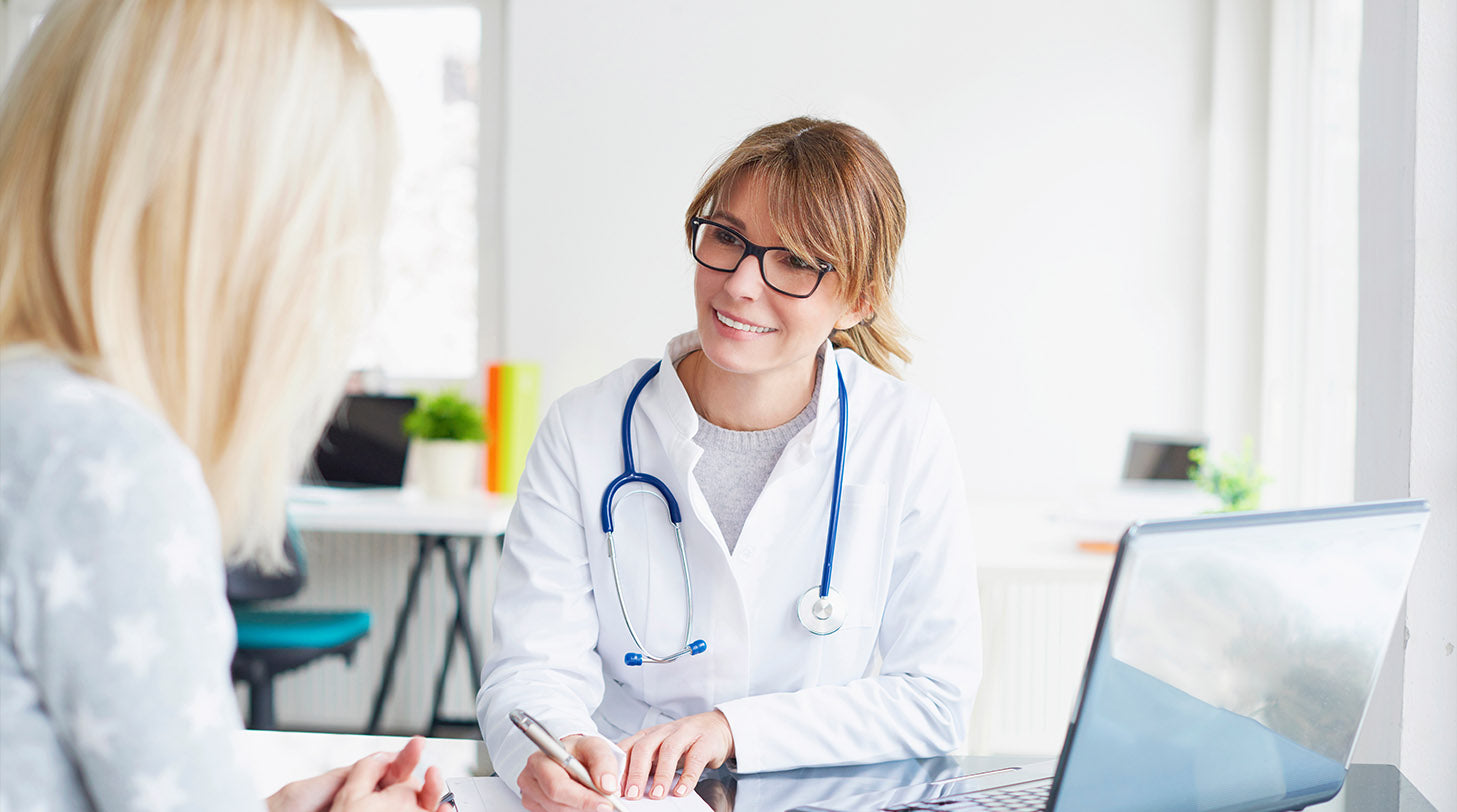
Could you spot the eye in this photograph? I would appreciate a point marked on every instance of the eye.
(802, 264)
(724, 236)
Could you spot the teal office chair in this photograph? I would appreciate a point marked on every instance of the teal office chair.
(275, 641)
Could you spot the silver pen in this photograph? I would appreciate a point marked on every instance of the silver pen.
(548, 744)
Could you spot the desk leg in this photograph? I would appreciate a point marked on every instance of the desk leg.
(460, 627)
(453, 630)
(388, 677)
(459, 582)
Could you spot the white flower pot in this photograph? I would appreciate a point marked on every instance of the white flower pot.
(446, 469)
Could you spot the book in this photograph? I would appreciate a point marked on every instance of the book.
(513, 412)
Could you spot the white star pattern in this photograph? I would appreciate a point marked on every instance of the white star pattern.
(136, 643)
(108, 480)
(159, 792)
(182, 557)
(65, 584)
(93, 734)
(222, 630)
(210, 708)
(6, 482)
(71, 392)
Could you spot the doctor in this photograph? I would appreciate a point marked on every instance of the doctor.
(816, 604)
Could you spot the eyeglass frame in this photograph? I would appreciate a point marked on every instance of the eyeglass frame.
(758, 252)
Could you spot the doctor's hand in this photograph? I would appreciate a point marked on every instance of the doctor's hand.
(692, 743)
(546, 787)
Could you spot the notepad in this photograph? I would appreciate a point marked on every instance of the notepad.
(491, 794)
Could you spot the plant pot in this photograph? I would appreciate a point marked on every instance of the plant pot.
(446, 468)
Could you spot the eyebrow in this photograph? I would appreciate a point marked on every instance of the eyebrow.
(720, 214)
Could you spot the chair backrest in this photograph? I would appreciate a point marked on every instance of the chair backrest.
(247, 583)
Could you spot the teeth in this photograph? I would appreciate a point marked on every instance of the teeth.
(738, 325)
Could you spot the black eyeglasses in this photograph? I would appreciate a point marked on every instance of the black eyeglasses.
(721, 248)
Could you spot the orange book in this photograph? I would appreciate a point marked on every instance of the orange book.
(493, 428)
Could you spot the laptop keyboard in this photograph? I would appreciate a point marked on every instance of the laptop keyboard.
(1029, 797)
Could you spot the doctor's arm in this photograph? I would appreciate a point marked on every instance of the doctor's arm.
(929, 638)
(544, 657)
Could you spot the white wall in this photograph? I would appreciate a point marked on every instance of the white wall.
(1406, 431)
(1429, 731)
(1053, 155)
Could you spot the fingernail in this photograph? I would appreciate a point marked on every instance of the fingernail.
(658, 791)
(680, 789)
(608, 782)
(633, 792)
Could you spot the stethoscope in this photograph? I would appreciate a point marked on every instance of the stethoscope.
(820, 609)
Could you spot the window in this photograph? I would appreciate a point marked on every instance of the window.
(428, 59)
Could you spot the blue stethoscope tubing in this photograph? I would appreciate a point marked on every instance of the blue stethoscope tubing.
(820, 608)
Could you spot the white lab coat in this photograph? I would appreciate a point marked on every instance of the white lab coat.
(896, 681)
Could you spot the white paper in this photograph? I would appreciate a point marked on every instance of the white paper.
(490, 794)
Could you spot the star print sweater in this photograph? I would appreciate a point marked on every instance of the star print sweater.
(115, 634)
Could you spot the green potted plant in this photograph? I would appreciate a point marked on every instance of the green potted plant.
(1235, 480)
(446, 433)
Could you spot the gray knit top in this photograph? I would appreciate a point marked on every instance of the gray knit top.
(736, 465)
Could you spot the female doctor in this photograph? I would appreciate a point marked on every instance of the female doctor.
(815, 604)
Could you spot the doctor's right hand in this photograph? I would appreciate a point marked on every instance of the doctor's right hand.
(546, 787)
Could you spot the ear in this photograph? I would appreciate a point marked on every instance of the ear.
(859, 313)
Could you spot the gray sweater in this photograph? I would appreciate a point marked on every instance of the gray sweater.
(736, 465)
(115, 633)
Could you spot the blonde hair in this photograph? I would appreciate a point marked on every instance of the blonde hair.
(833, 195)
(191, 201)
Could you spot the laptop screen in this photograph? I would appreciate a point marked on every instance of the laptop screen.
(364, 444)
(1235, 659)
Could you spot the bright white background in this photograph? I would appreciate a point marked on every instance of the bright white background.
(1110, 227)
(1053, 158)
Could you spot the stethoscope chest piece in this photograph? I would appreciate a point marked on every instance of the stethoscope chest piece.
(821, 615)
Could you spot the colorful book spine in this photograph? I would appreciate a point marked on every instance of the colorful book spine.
(513, 411)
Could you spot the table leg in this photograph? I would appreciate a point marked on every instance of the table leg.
(462, 605)
(387, 678)
(459, 627)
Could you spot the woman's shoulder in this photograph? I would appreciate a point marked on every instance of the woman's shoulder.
(45, 402)
(614, 387)
(66, 432)
(878, 389)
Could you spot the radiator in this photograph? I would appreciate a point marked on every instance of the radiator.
(1037, 626)
(370, 572)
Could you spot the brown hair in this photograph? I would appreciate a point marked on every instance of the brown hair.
(833, 195)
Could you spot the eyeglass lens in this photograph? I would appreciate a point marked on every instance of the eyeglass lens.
(722, 250)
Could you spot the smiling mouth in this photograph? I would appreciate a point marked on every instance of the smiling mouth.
(738, 325)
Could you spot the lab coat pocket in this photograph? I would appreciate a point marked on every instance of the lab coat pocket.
(861, 574)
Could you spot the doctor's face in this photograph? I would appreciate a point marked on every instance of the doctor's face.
(746, 326)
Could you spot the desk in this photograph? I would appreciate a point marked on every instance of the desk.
(436, 525)
(277, 757)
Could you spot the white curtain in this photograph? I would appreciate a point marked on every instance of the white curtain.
(1281, 303)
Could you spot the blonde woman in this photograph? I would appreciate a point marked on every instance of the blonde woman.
(189, 198)
(776, 430)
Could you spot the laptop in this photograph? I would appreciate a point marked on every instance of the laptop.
(364, 446)
(1230, 671)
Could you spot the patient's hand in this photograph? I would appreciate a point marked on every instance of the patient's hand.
(381, 781)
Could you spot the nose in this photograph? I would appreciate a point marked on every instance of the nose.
(747, 280)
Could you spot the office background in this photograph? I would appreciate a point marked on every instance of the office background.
(1125, 216)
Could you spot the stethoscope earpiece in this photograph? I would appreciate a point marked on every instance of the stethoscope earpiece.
(696, 647)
